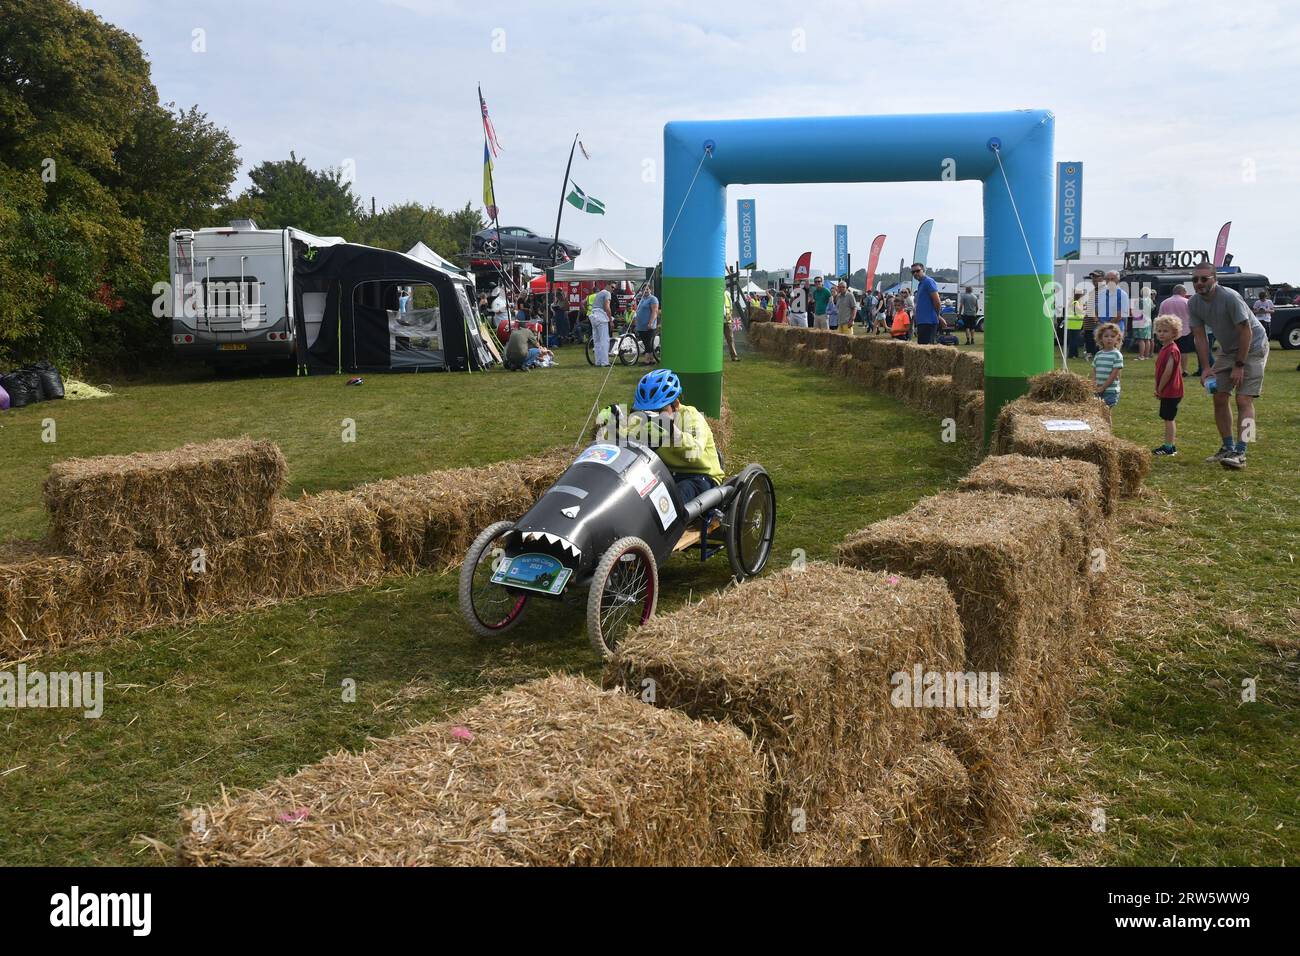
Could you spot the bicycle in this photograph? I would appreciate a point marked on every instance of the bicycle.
(624, 345)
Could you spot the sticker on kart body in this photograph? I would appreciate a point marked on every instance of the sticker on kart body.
(641, 477)
(601, 455)
(662, 499)
(534, 572)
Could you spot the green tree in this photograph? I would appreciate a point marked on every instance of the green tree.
(403, 225)
(82, 226)
(287, 193)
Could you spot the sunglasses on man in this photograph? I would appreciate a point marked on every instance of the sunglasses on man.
(1196, 279)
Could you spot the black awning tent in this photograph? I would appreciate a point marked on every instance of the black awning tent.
(360, 328)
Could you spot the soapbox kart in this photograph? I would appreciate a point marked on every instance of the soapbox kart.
(606, 525)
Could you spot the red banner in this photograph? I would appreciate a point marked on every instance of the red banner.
(877, 244)
(1221, 245)
(801, 268)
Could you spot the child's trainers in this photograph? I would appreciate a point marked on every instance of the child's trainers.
(1165, 451)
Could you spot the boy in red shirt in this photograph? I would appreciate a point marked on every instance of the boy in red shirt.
(779, 309)
(1169, 380)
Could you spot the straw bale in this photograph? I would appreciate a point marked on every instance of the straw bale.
(194, 495)
(428, 520)
(797, 351)
(970, 416)
(1078, 482)
(823, 359)
(1020, 430)
(922, 360)
(914, 815)
(968, 370)
(820, 339)
(860, 347)
(315, 545)
(1015, 572)
(843, 366)
(893, 382)
(51, 600)
(1061, 385)
(1000, 779)
(934, 393)
(886, 353)
(1134, 466)
(803, 662)
(553, 773)
(864, 373)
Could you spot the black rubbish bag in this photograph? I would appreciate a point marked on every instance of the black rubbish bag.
(51, 382)
(23, 386)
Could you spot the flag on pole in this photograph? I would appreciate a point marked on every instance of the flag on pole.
(489, 131)
(489, 197)
(877, 244)
(1221, 244)
(922, 249)
(584, 202)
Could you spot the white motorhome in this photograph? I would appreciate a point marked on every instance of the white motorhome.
(241, 293)
(232, 290)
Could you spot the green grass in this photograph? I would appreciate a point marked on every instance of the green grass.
(1186, 772)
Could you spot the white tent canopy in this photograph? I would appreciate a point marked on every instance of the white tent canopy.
(425, 254)
(599, 262)
(753, 289)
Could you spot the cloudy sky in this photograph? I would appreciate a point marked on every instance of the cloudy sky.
(1184, 113)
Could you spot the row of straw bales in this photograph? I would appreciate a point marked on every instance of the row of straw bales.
(949, 382)
(936, 378)
(789, 678)
(139, 541)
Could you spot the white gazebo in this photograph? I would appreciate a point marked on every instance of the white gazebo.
(597, 263)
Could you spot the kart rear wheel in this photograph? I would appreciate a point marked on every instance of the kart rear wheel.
(624, 592)
(489, 609)
(751, 523)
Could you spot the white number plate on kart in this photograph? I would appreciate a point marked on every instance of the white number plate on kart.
(534, 572)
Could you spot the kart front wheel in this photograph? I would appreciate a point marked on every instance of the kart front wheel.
(624, 592)
(489, 609)
(751, 523)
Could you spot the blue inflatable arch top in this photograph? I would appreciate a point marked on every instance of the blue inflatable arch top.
(701, 158)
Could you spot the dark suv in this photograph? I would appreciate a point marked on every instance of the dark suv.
(521, 243)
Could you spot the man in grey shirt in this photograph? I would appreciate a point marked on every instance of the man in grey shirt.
(1243, 354)
(846, 304)
(968, 307)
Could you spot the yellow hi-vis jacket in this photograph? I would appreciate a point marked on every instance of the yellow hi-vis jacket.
(683, 441)
(1075, 322)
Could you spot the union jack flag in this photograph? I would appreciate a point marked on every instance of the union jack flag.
(489, 130)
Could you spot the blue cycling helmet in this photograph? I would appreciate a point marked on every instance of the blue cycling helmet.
(656, 390)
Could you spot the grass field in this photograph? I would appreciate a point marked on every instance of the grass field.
(1185, 771)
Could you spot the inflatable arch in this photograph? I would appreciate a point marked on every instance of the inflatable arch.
(1010, 153)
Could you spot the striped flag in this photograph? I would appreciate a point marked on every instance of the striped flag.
(489, 197)
(489, 131)
(584, 202)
